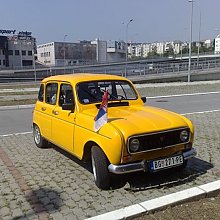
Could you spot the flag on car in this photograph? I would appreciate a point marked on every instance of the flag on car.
(102, 118)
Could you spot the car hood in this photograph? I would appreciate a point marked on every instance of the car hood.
(141, 119)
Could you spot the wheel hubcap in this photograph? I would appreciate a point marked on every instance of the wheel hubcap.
(37, 136)
(93, 168)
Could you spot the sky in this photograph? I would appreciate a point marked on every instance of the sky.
(153, 20)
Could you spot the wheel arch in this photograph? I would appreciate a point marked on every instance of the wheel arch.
(87, 150)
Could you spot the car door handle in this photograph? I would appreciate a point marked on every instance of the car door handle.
(55, 112)
(43, 108)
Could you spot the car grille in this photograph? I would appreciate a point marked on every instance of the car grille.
(160, 140)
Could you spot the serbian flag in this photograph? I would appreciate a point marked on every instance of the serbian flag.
(102, 118)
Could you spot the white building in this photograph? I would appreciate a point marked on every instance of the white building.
(217, 44)
(84, 52)
(160, 48)
(208, 43)
(139, 50)
(146, 49)
(66, 53)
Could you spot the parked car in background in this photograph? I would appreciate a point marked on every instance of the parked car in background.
(135, 137)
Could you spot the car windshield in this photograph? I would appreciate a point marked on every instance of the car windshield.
(91, 92)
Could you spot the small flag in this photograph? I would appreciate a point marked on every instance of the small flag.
(102, 118)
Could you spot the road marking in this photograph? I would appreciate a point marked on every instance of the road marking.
(7, 135)
(210, 111)
(180, 95)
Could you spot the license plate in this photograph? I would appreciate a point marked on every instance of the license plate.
(166, 162)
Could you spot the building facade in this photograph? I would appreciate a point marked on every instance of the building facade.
(116, 51)
(17, 51)
(66, 53)
(84, 52)
(217, 44)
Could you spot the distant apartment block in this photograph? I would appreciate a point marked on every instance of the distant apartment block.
(217, 44)
(160, 48)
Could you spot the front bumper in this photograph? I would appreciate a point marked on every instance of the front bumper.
(141, 166)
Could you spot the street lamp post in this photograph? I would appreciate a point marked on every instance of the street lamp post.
(126, 61)
(199, 38)
(64, 53)
(190, 42)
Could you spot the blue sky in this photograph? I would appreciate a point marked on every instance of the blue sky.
(153, 20)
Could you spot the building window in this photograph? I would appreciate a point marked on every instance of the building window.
(17, 52)
(24, 52)
(3, 52)
(10, 52)
(0, 62)
(3, 62)
(29, 53)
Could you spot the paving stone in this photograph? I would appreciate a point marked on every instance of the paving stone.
(4, 211)
(71, 203)
(17, 213)
(63, 186)
(9, 217)
(71, 217)
(57, 216)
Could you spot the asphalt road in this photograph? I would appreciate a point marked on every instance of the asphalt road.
(15, 121)
(187, 103)
(20, 120)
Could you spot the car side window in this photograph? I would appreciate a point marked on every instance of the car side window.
(66, 94)
(51, 93)
(41, 93)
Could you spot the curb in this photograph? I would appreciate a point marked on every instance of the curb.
(199, 192)
(13, 107)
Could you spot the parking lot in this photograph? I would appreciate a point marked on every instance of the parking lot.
(50, 184)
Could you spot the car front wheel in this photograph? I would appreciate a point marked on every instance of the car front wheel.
(38, 139)
(100, 168)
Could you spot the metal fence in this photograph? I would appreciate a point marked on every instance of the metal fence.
(137, 68)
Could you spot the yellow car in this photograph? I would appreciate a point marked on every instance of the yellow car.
(134, 137)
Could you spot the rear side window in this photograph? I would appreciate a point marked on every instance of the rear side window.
(51, 93)
(41, 93)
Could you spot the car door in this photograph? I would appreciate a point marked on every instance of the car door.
(63, 123)
(47, 109)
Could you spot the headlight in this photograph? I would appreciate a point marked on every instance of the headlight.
(134, 145)
(184, 136)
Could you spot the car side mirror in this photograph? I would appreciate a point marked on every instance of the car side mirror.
(68, 106)
(144, 99)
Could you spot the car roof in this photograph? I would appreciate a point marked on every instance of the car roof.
(82, 77)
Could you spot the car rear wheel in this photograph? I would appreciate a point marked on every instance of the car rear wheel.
(100, 168)
(38, 139)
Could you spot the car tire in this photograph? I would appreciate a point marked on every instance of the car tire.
(38, 139)
(100, 168)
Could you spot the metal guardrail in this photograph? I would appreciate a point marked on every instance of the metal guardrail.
(132, 69)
